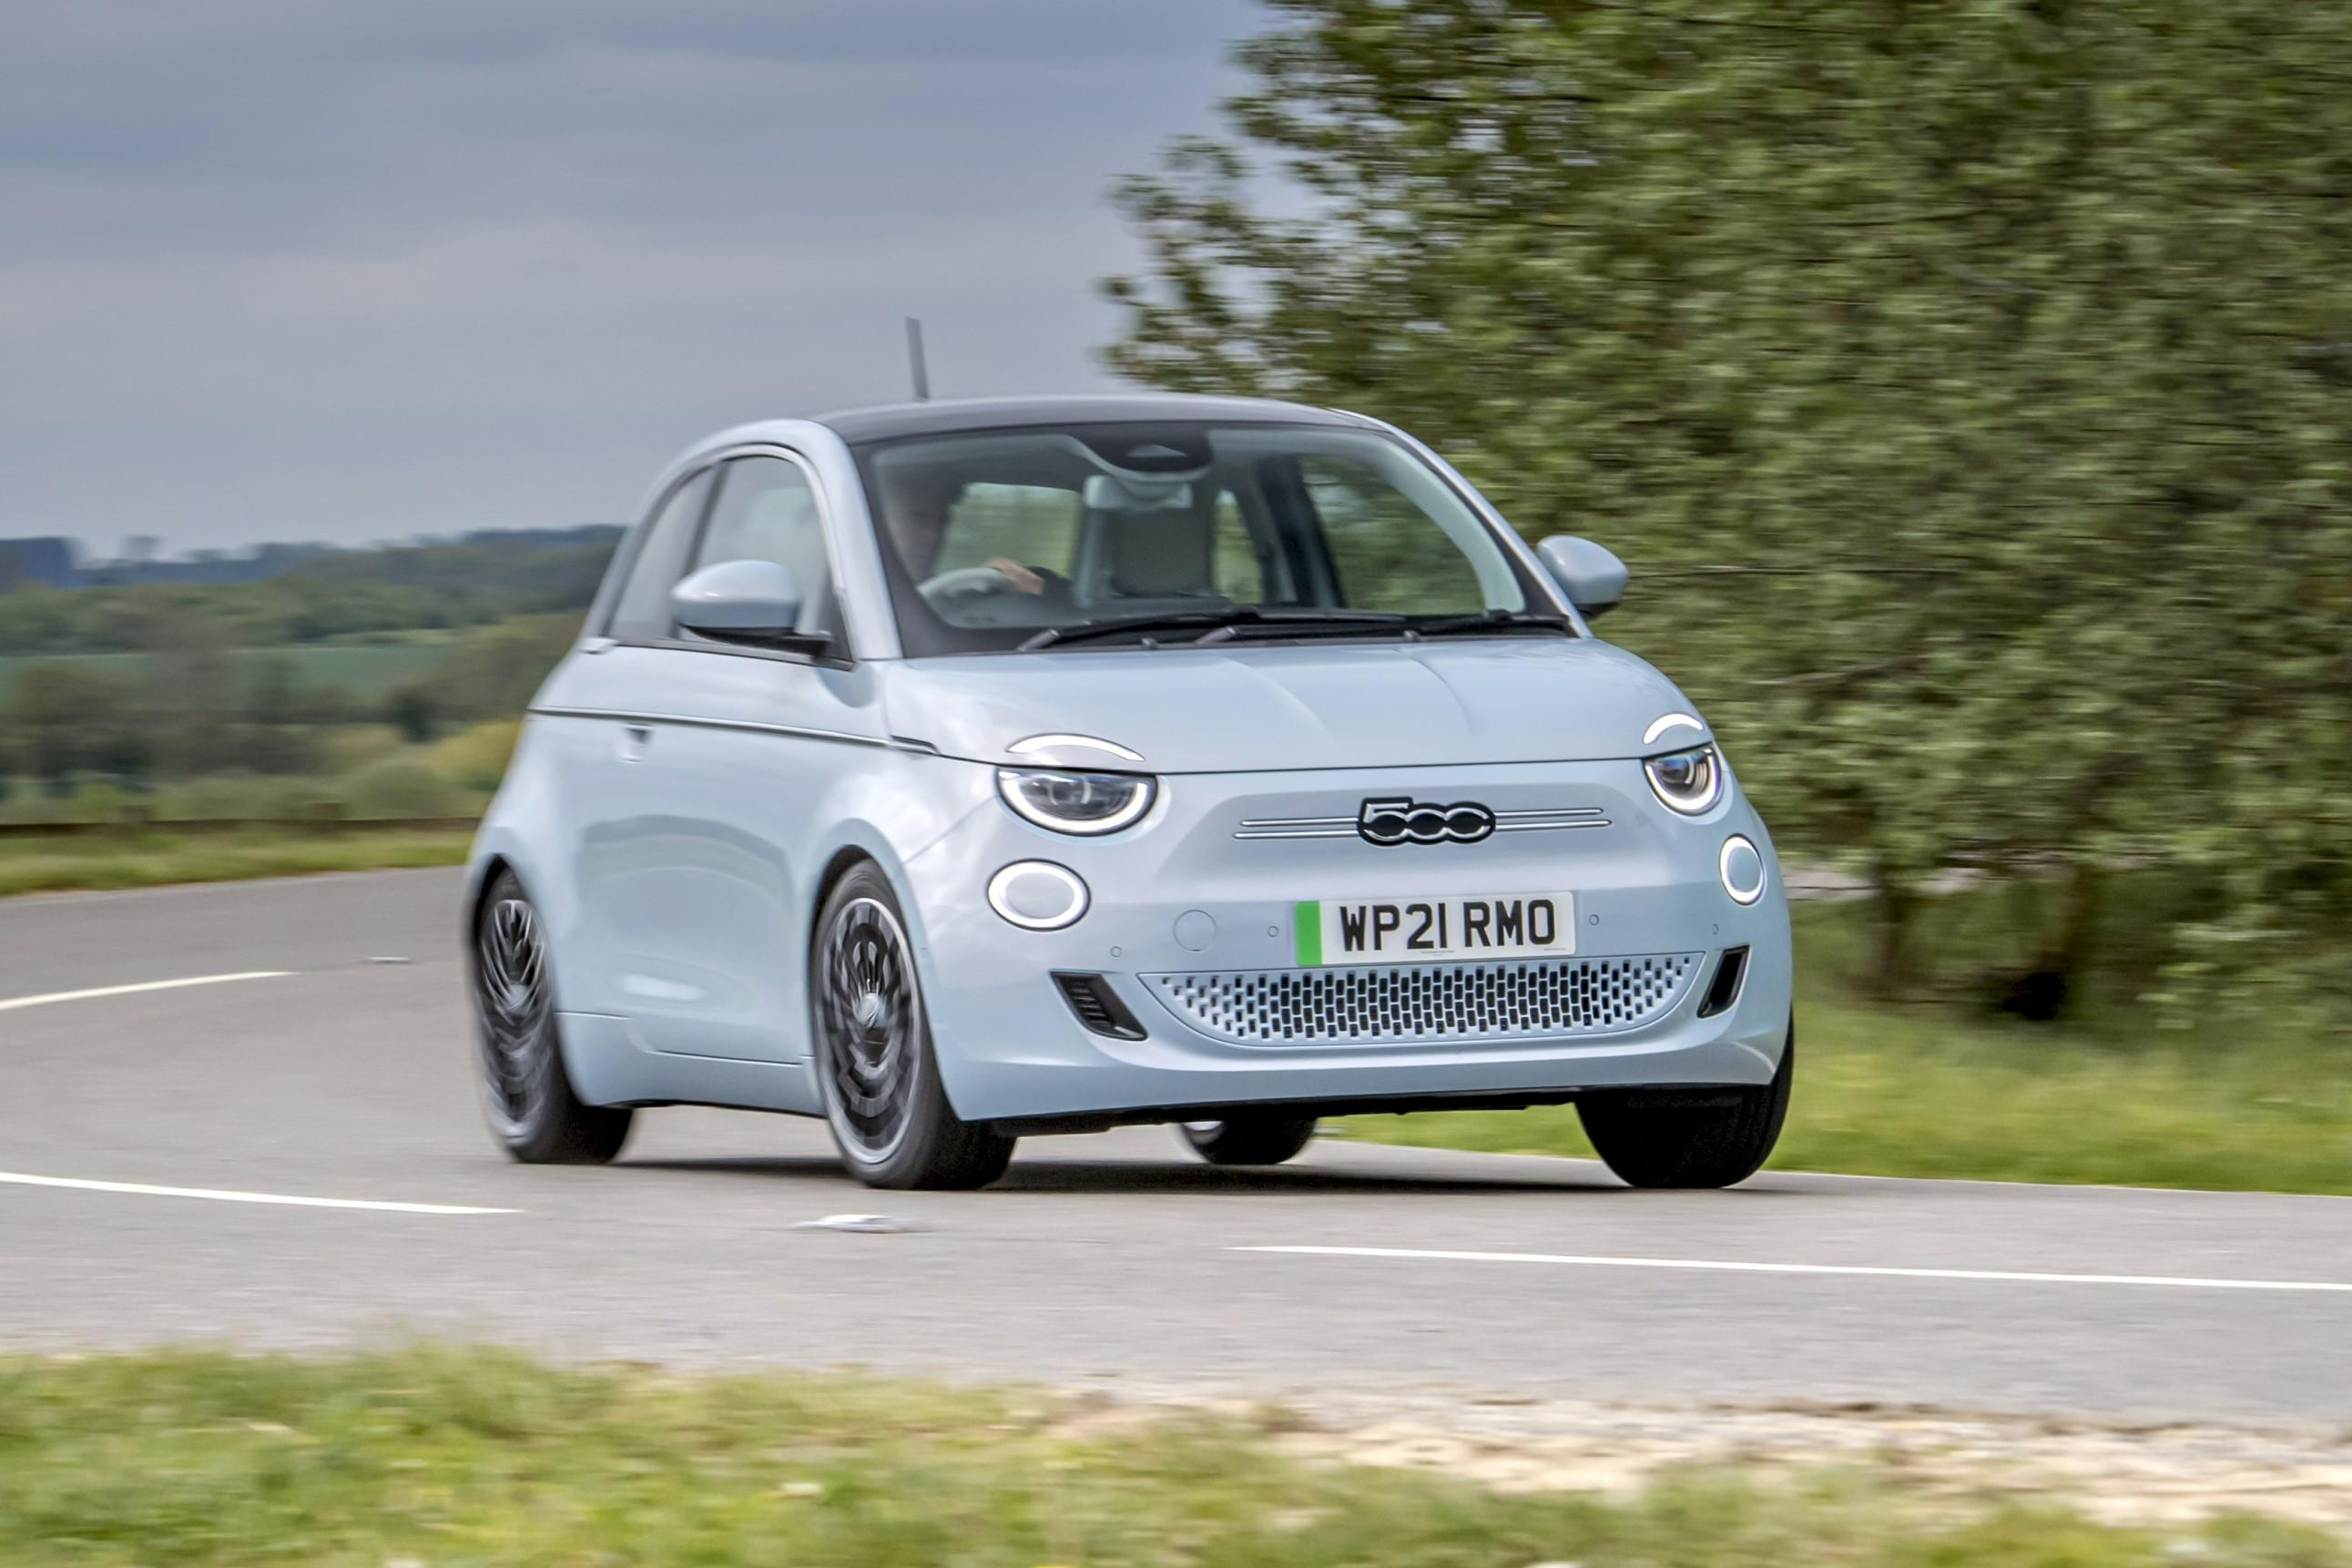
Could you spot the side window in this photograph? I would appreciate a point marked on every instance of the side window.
(766, 511)
(1389, 552)
(641, 614)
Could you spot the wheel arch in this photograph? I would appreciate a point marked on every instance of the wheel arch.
(478, 892)
(499, 850)
(858, 843)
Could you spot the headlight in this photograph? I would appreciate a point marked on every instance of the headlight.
(1688, 781)
(1076, 802)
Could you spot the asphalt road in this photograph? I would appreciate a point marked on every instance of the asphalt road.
(342, 1077)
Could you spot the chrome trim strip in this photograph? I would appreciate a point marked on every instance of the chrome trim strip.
(1532, 819)
(1296, 833)
(887, 743)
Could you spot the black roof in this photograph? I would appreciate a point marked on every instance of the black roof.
(896, 419)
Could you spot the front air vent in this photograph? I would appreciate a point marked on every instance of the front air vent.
(1098, 1006)
(1419, 1004)
(1724, 990)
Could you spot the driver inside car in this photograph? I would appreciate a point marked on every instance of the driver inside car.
(919, 504)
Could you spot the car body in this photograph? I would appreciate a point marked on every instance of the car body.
(1234, 808)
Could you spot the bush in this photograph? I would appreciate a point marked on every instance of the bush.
(400, 786)
(241, 798)
(415, 712)
(476, 757)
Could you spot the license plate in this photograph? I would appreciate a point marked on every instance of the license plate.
(1427, 930)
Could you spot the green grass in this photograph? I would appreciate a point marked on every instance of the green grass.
(366, 670)
(43, 865)
(439, 1457)
(1949, 1090)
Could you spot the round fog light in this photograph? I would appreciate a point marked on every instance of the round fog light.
(1742, 865)
(1037, 895)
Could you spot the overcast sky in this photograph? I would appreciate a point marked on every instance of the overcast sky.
(354, 269)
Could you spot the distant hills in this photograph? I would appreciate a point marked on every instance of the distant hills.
(56, 561)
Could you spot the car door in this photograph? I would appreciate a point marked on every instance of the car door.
(695, 863)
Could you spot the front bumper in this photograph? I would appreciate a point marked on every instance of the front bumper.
(1184, 913)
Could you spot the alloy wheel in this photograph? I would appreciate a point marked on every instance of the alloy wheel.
(870, 1012)
(512, 996)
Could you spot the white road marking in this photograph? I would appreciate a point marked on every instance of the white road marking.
(12, 1002)
(216, 1196)
(2175, 1281)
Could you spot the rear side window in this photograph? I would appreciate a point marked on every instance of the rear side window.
(642, 612)
(767, 510)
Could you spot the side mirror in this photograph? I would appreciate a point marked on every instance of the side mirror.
(1592, 577)
(754, 602)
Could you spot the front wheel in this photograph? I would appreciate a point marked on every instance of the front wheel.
(1257, 1140)
(883, 1097)
(1712, 1137)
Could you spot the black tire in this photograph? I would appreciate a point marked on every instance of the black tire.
(1714, 1138)
(527, 1095)
(875, 1061)
(1260, 1138)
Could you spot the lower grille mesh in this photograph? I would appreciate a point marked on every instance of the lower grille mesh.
(1400, 1003)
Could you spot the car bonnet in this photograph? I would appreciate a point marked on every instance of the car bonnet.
(1263, 708)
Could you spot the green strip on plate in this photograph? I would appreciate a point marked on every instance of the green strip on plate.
(1307, 926)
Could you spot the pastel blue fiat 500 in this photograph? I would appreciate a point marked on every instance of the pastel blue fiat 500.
(958, 770)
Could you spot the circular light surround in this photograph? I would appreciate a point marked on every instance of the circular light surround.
(1037, 895)
(1741, 864)
(1688, 782)
(1133, 792)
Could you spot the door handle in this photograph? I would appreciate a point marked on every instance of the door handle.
(636, 741)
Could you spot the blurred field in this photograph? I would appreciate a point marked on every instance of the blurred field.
(159, 857)
(1950, 1088)
(365, 672)
(326, 822)
(435, 1456)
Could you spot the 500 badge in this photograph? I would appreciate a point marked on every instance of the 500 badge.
(1402, 820)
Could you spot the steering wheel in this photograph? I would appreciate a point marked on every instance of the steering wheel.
(965, 583)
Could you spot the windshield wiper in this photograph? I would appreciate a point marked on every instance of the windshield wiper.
(1217, 623)
(1490, 621)
(1307, 623)
(1169, 621)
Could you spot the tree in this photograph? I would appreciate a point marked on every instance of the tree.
(191, 692)
(415, 710)
(69, 719)
(1972, 385)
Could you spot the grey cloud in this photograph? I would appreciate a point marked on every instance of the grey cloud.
(355, 271)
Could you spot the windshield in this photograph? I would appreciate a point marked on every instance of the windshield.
(1003, 539)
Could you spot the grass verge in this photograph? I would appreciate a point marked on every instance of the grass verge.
(46, 865)
(431, 1456)
(1946, 1091)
